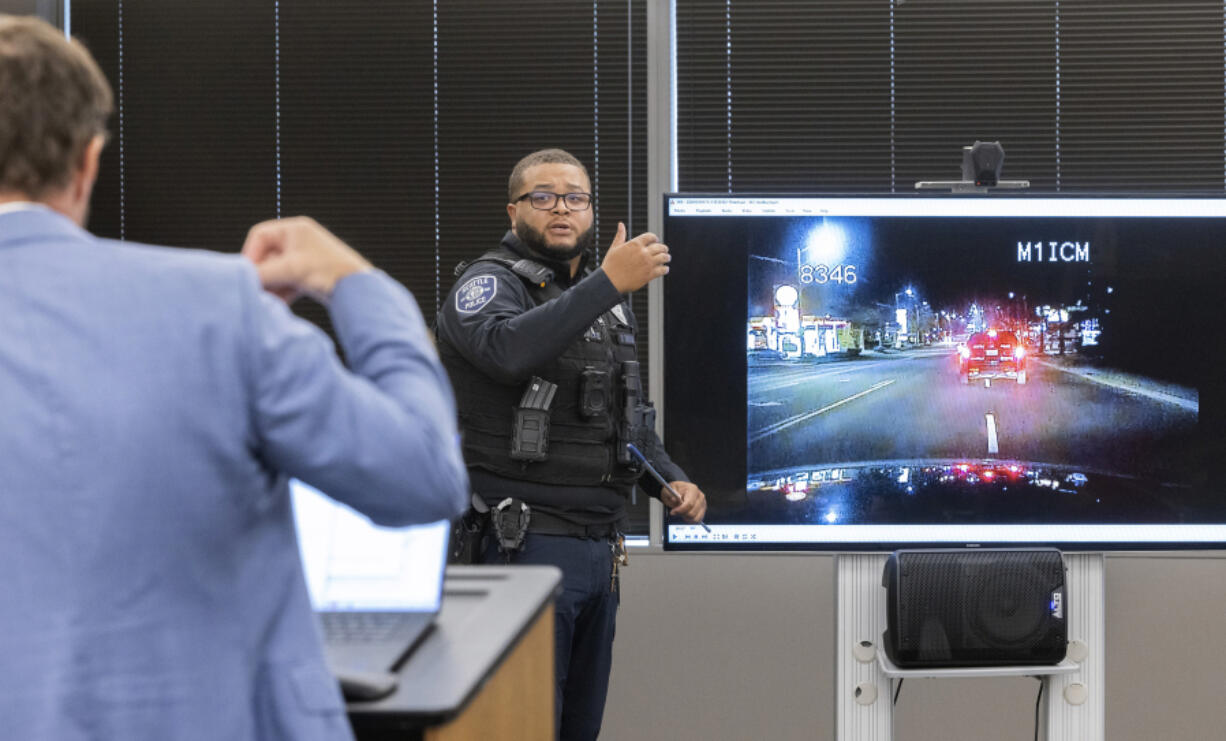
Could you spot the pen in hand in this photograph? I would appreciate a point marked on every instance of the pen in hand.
(656, 475)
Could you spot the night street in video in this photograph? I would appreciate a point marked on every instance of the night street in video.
(915, 405)
(956, 351)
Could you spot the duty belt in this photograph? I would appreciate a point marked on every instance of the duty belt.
(547, 524)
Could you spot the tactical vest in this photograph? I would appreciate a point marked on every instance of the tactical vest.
(581, 449)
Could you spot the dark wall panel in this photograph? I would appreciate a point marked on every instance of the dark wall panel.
(967, 70)
(357, 131)
(1141, 95)
(196, 132)
(779, 95)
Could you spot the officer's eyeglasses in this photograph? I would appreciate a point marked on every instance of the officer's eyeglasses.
(543, 200)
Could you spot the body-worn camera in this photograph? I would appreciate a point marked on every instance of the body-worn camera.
(594, 392)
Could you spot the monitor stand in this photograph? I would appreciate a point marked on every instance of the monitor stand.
(1072, 708)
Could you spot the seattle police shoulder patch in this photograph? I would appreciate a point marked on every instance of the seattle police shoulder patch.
(476, 293)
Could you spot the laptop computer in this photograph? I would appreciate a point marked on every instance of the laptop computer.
(376, 590)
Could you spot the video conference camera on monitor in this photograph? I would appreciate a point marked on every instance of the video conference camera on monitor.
(981, 162)
(981, 165)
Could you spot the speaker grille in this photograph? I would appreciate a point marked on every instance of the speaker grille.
(975, 607)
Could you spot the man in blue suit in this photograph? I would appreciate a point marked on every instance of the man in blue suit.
(154, 403)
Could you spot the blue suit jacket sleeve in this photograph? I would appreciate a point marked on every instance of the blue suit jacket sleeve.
(382, 438)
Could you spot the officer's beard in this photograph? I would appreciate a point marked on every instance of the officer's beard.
(535, 240)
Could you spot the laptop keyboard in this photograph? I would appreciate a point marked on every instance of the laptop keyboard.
(360, 627)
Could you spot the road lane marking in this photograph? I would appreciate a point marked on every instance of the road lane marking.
(797, 419)
(993, 446)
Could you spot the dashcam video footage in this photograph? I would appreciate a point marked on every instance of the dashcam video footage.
(973, 370)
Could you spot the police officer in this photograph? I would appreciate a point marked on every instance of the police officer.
(540, 347)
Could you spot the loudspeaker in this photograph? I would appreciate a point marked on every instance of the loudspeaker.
(975, 608)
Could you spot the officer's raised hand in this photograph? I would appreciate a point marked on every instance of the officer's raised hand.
(632, 265)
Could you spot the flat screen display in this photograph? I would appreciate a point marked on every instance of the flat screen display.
(869, 373)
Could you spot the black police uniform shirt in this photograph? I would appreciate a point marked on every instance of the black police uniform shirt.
(506, 336)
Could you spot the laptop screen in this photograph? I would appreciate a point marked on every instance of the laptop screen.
(353, 565)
